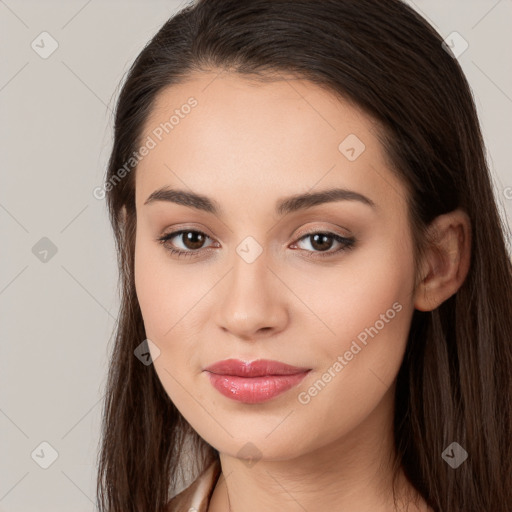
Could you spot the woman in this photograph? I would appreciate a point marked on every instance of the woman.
(316, 292)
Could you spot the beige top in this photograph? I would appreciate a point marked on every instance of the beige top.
(196, 497)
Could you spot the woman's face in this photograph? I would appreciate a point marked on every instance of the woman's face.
(264, 276)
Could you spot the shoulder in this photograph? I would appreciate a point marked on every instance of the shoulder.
(196, 497)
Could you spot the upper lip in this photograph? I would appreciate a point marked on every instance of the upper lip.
(258, 368)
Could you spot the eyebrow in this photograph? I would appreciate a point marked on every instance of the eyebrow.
(283, 206)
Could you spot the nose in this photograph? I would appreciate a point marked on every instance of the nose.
(252, 303)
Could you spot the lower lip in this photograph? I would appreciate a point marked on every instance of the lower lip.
(254, 390)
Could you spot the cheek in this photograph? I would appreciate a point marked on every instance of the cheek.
(162, 292)
(164, 301)
(368, 305)
(351, 296)
(152, 296)
(170, 297)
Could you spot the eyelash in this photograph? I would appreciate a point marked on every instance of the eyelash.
(346, 244)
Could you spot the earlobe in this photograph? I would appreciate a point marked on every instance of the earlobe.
(446, 261)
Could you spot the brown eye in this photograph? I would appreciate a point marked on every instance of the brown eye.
(321, 242)
(192, 242)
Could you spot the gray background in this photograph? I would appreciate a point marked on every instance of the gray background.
(57, 315)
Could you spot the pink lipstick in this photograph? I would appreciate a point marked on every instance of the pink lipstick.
(253, 382)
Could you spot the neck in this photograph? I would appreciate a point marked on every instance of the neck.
(352, 473)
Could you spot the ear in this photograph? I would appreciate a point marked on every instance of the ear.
(445, 264)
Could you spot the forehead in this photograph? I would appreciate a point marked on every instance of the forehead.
(223, 134)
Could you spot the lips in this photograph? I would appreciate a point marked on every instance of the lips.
(253, 382)
(258, 368)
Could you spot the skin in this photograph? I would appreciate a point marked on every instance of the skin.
(247, 145)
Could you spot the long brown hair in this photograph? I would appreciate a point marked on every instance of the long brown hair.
(455, 382)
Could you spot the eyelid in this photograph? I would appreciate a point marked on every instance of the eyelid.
(316, 229)
(346, 243)
(166, 236)
(176, 230)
